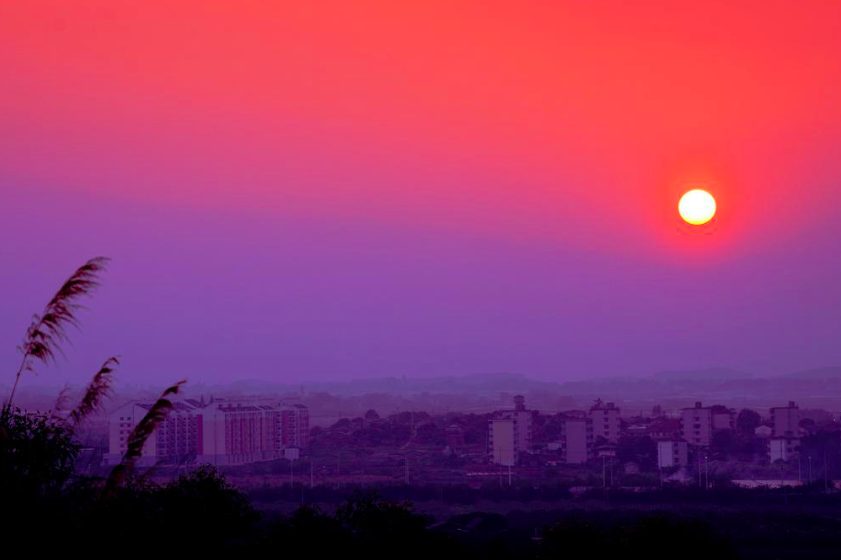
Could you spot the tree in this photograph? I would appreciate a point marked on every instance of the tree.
(748, 421)
(202, 506)
(722, 444)
(641, 450)
(37, 455)
(382, 527)
(431, 434)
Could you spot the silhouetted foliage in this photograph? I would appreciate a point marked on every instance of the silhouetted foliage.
(747, 421)
(37, 454)
(641, 450)
(651, 537)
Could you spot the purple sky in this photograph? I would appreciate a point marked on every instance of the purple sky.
(217, 296)
(297, 191)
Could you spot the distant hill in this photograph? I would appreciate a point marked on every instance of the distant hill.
(830, 372)
(474, 384)
(716, 374)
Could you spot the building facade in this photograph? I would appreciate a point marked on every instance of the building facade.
(509, 433)
(696, 425)
(724, 419)
(606, 422)
(785, 435)
(577, 440)
(672, 453)
(785, 421)
(782, 449)
(221, 432)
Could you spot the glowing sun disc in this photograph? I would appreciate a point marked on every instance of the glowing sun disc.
(697, 207)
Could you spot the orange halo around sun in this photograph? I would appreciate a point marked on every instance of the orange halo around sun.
(697, 207)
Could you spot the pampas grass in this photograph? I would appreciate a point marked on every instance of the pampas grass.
(43, 340)
(48, 330)
(138, 437)
(97, 390)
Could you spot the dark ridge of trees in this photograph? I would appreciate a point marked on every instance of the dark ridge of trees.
(448, 494)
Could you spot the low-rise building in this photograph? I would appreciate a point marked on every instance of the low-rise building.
(455, 437)
(763, 432)
(665, 429)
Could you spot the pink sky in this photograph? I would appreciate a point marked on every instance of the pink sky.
(295, 190)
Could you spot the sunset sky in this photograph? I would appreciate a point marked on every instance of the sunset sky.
(331, 190)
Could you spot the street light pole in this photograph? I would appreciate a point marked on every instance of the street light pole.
(700, 476)
(604, 478)
(825, 474)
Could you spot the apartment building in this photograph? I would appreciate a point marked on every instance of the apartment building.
(606, 422)
(577, 440)
(785, 435)
(723, 419)
(220, 432)
(509, 433)
(698, 423)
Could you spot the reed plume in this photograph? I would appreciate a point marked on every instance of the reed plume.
(138, 436)
(48, 330)
(60, 401)
(97, 390)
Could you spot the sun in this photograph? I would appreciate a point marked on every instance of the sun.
(696, 207)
